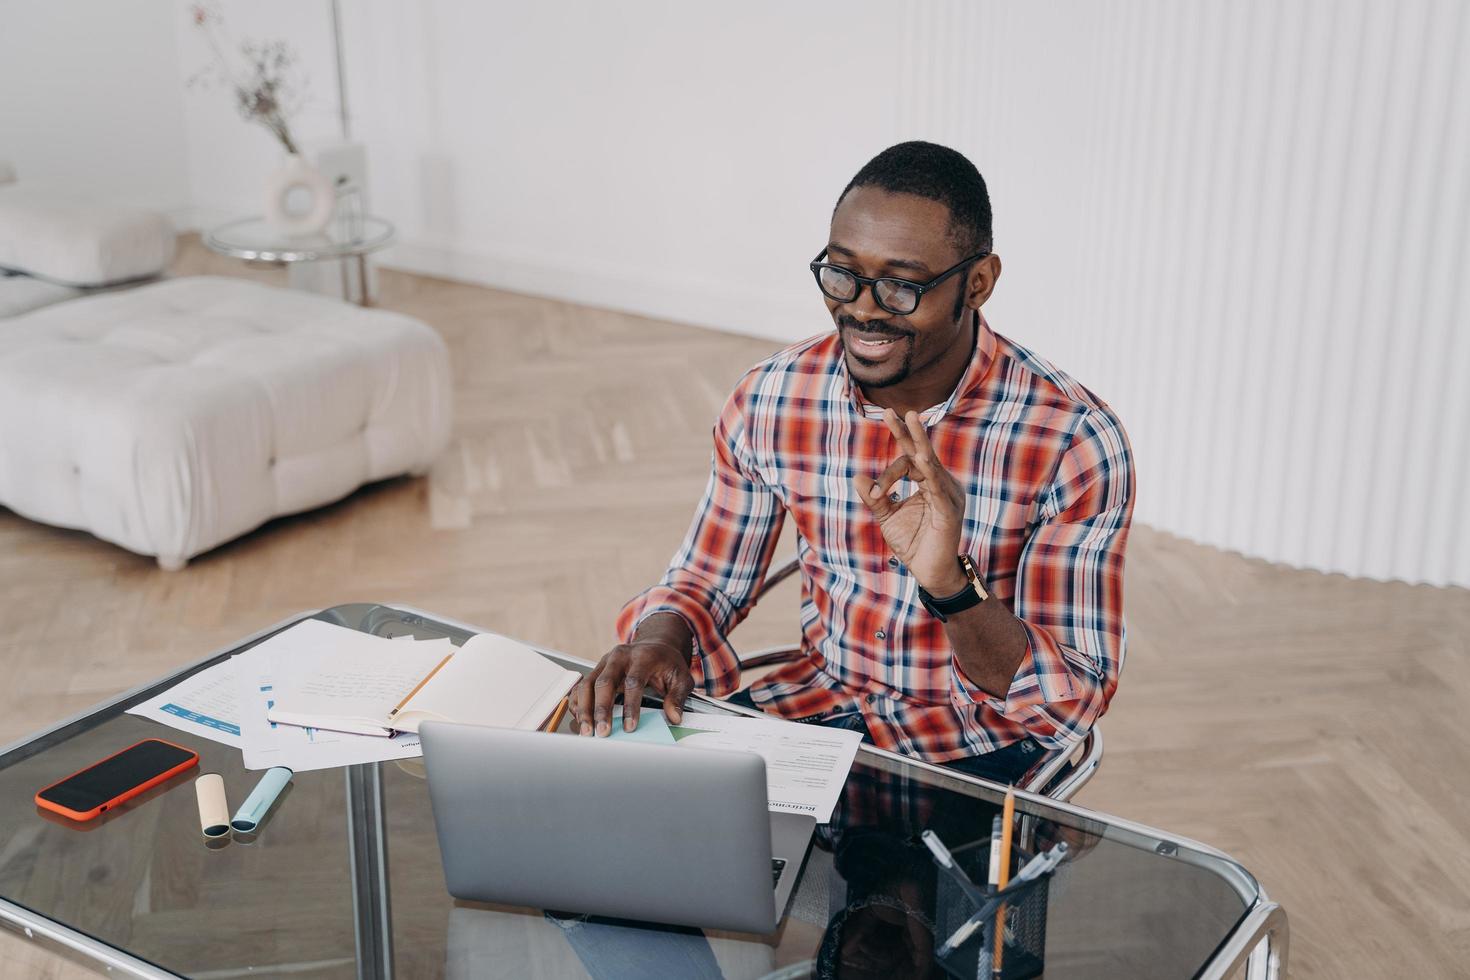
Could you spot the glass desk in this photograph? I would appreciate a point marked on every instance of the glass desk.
(345, 880)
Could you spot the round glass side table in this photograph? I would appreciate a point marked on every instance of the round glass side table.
(255, 240)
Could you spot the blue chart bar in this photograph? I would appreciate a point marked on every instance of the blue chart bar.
(199, 719)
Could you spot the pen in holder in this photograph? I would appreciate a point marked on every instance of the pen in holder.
(965, 923)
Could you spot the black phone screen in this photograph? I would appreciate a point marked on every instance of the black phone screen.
(113, 777)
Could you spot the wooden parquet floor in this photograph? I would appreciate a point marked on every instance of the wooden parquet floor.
(1309, 725)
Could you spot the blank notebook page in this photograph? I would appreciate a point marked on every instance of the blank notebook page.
(491, 681)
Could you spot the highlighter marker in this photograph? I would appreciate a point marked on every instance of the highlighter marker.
(248, 817)
(214, 812)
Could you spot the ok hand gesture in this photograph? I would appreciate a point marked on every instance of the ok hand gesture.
(922, 531)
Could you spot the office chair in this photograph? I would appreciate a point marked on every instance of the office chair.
(1058, 774)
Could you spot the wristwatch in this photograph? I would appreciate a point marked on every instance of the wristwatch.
(971, 595)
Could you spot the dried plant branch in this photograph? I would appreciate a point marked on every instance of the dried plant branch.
(267, 86)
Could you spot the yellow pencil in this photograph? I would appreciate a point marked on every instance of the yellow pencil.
(557, 715)
(1007, 818)
(418, 687)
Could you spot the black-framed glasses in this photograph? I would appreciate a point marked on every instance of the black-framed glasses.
(898, 296)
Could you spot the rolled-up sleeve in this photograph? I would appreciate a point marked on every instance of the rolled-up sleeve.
(1069, 590)
(712, 581)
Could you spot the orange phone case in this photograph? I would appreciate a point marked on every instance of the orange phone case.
(143, 787)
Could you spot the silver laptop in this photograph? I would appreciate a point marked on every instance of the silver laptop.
(623, 829)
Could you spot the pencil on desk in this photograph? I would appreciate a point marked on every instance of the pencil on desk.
(1008, 819)
(557, 715)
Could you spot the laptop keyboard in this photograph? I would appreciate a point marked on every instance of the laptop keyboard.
(777, 866)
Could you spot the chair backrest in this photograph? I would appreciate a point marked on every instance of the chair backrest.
(1061, 773)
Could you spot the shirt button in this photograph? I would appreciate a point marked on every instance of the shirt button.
(894, 497)
(893, 563)
(881, 635)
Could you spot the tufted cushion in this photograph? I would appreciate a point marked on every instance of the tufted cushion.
(173, 417)
(53, 234)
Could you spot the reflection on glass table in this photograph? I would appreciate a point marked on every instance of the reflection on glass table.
(256, 240)
(345, 880)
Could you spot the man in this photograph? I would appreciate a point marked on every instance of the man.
(962, 507)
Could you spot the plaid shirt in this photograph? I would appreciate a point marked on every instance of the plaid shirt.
(1048, 478)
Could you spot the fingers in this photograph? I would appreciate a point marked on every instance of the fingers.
(901, 433)
(633, 686)
(610, 674)
(676, 694)
(892, 473)
(931, 473)
(874, 493)
(868, 493)
(923, 452)
(581, 702)
(930, 476)
(626, 672)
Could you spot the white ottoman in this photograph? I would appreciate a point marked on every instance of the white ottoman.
(171, 418)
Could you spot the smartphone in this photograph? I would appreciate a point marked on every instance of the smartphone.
(119, 777)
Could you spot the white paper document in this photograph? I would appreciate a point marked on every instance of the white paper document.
(356, 679)
(227, 703)
(266, 743)
(206, 704)
(806, 765)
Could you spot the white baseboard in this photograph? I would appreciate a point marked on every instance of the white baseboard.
(729, 306)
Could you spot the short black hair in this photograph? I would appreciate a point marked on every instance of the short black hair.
(940, 174)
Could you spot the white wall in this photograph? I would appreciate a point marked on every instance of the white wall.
(1247, 225)
(228, 158)
(670, 158)
(89, 98)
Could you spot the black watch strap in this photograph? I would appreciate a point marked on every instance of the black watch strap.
(971, 595)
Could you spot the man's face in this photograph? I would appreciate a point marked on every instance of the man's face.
(877, 233)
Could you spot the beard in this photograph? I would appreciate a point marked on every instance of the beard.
(867, 371)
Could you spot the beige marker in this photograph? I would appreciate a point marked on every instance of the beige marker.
(214, 811)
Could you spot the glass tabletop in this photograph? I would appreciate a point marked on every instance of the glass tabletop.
(258, 240)
(345, 880)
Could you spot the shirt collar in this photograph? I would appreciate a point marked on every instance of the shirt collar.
(981, 360)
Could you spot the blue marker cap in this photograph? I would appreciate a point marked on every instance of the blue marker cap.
(248, 817)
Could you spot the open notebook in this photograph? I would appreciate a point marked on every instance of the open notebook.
(379, 688)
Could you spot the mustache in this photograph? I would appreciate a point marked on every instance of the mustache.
(882, 328)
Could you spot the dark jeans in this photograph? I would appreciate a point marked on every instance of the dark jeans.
(1005, 765)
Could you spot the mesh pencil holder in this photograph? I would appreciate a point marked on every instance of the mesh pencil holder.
(1025, 903)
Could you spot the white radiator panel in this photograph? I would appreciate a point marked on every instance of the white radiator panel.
(1247, 226)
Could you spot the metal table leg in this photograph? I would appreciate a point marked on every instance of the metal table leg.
(1259, 943)
(367, 848)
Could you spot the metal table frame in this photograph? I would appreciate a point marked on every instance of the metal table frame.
(1259, 942)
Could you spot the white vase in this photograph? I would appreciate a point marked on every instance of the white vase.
(298, 199)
